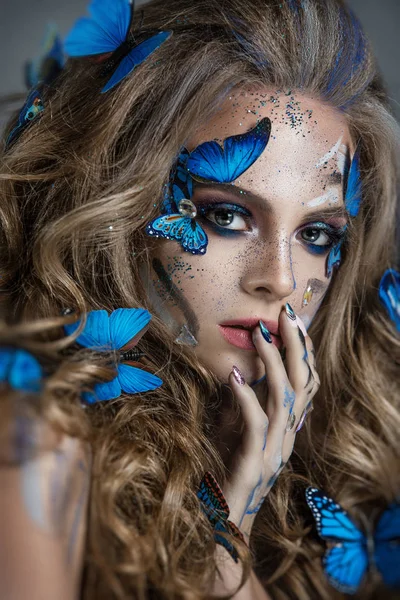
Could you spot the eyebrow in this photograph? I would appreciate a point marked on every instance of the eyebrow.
(263, 204)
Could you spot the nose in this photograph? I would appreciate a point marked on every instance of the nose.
(269, 271)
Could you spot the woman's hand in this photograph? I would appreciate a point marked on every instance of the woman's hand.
(269, 423)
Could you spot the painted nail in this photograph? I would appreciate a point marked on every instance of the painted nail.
(290, 312)
(265, 333)
(238, 376)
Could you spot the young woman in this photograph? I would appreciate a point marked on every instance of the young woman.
(235, 177)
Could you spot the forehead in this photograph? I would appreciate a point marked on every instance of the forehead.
(308, 143)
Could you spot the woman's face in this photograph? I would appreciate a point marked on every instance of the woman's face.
(269, 232)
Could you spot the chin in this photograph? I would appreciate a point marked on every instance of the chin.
(221, 364)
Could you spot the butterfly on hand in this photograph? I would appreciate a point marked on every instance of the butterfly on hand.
(351, 553)
(106, 36)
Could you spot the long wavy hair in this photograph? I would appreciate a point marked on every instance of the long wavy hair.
(77, 190)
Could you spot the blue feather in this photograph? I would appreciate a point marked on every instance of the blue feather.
(348, 557)
(223, 165)
(389, 294)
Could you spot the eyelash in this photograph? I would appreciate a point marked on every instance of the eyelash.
(334, 234)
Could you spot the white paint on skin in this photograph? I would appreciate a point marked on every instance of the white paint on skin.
(331, 196)
(330, 154)
(341, 158)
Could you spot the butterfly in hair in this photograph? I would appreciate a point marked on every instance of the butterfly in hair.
(351, 553)
(389, 295)
(32, 108)
(118, 332)
(217, 510)
(20, 370)
(107, 36)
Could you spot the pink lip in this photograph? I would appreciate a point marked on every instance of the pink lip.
(241, 338)
(252, 323)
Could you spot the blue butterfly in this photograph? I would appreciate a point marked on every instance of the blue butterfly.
(208, 162)
(49, 64)
(351, 553)
(108, 31)
(389, 294)
(334, 259)
(20, 370)
(217, 510)
(354, 188)
(31, 109)
(120, 331)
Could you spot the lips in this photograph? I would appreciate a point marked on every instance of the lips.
(238, 332)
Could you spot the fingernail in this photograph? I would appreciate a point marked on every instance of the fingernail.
(238, 376)
(290, 314)
(265, 333)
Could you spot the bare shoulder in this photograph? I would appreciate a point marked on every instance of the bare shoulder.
(45, 485)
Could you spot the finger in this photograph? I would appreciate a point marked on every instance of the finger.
(296, 350)
(276, 375)
(255, 420)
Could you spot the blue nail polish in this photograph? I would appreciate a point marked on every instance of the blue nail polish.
(265, 333)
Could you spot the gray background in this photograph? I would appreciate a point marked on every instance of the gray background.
(22, 26)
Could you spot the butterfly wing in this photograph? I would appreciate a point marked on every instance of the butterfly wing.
(168, 226)
(135, 57)
(353, 189)
(212, 163)
(389, 294)
(134, 380)
(20, 369)
(103, 32)
(96, 333)
(345, 566)
(334, 259)
(127, 326)
(213, 499)
(194, 238)
(31, 109)
(387, 546)
(346, 562)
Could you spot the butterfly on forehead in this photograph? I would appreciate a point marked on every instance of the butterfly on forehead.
(106, 36)
(351, 553)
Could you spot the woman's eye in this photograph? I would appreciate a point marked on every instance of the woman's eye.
(317, 237)
(227, 218)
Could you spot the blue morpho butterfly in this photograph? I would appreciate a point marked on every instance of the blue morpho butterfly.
(352, 203)
(208, 162)
(389, 294)
(31, 109)
(107, 34)
(20, 370)
(120, 332)
(217, 510)
(351, 553)
(49, 64)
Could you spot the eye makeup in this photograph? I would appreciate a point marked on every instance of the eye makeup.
(215, 212)
(333, 235)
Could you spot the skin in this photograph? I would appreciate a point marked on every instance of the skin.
(261, 268)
